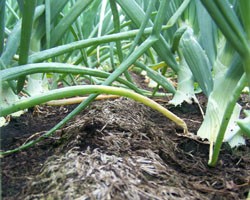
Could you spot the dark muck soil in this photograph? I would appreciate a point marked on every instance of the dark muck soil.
(118, 149)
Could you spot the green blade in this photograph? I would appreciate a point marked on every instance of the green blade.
(135, 12)
(2, 25)
(197, 61)
(26, 31)
(64, 24)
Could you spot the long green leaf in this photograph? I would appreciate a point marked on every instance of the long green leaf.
(26, 31)
(117, 29)
(230, 107)
(225, 18)
(160, 79)
(13, 41)
(21, 5)
(245, 17)
(220, 104)
(142, 27)
(50, 53)
(57, 7)
(47, 22)
(208, 32)
(244, 6)
(15, 72)
(2, 25)
(133, 10)
(11, 46)
(197, 61)
(177, 11)
(88, 89)
(58, 32)
(90, 27)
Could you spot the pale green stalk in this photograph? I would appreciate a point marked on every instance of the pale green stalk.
(89, 89)
(228, 86)
(225, 120)
(15, 72)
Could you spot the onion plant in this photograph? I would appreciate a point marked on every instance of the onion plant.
(9, 73)
(204, 43)
(232, 19)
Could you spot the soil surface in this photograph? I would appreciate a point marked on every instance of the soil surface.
(118, 149)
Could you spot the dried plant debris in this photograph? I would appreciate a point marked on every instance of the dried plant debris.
(96, 175)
